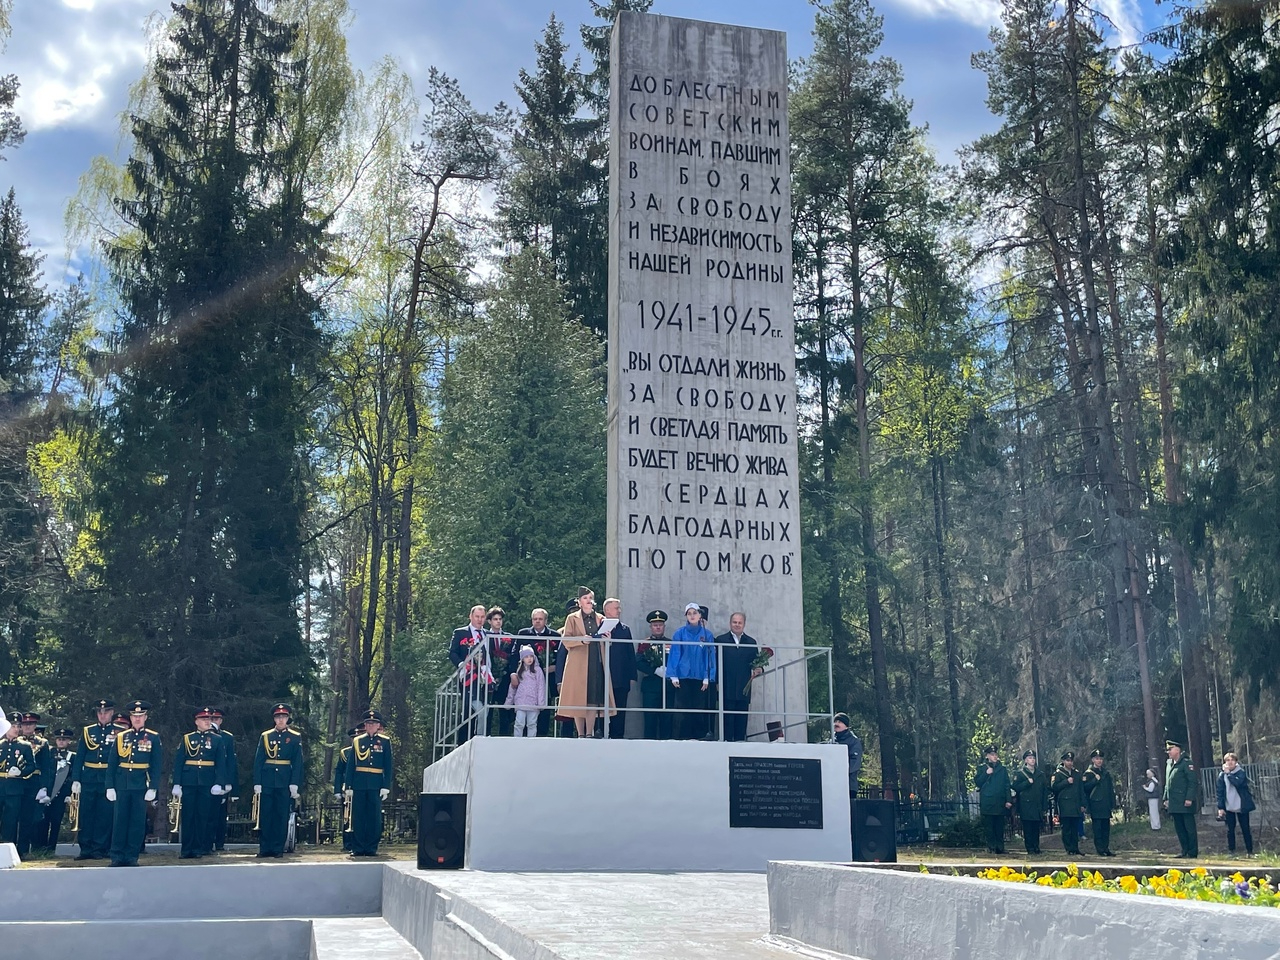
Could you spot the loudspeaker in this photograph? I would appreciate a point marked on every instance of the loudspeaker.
(442, 831)
(875, 831)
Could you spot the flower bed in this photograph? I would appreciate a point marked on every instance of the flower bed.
(1174, 884)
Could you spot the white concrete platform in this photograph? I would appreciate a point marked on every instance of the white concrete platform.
(550, 804)
(580, 916)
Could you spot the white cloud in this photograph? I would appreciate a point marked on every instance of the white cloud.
(1126, 18)
(80, 4)
(980, 13)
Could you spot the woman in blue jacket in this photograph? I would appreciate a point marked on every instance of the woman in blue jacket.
(691, 668)
(1235, 801)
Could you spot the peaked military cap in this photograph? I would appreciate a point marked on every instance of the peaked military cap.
(371, 716)
(139, 707)
(65, 734)
(1096, 753)
(990, 748)
(570, 606)
(657, 616)
(217, 713)
(1173, 743)
(15, 717)
(103, 704)
(1029, 753)
(1068, 755)
(204, 713)
(354, 731)
(30, 717)
(120, 719)
(280, 708)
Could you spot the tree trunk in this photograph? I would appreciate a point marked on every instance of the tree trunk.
(948, 623)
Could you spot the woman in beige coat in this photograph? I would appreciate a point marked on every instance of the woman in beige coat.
(583, 686)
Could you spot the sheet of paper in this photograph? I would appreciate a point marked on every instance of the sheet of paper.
(607, 625)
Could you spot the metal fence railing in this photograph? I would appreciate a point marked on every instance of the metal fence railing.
(1264, 785)
(792, 682)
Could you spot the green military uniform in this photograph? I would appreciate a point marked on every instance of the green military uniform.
(222, 805)
(89, 770)
(199, 772)
(369, 776)
(994, 798)
(133, 776)
(339, 779)
(1068, 789)
(15, 755)
(277, 777)
(1180, 800)
(1100, 800)
(1031, 801)
(64, 762)
(37, 787)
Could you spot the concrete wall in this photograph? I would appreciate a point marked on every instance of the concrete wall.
(226, 891)
(627, 805)
(887, 915)
(137, 940)
(442, 927)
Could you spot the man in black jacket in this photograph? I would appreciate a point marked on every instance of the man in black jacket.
(853, 743)
(464, 639)
(737, 650)
(546, 646)
(622, 667)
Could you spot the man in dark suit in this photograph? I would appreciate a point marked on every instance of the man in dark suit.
(622, 668)
(738, 650)
(469, 677)
(546, 645)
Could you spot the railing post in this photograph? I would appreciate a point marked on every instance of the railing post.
(720, 690)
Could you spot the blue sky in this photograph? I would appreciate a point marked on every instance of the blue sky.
(77, 58)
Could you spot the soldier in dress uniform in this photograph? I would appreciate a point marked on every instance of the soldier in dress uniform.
(340, 778)
(16, 760)
(1031, 787)
(230, 789)
(89, 783)
(63, 762)
(36, 786)
(1100, 800)
(369, 778)
(1069, 792)
(277, 775)
(1180, 799)
(133, 776)
(199, 771)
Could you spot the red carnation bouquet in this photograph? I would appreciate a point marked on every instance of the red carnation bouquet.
(760, 662)
(650, 653)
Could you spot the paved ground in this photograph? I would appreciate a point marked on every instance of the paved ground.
(637, 916)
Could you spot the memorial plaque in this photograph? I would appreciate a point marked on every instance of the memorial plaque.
(703, 485)
(768, 792)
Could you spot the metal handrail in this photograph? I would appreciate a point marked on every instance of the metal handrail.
(456, 712)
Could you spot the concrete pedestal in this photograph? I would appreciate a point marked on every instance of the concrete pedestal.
(627, 805)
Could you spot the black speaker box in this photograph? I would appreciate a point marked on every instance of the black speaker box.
(442, 831)
(875, 831)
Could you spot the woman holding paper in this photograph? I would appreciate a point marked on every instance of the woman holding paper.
(584, 691)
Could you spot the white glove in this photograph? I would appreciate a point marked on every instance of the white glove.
(384, 793)
(257, 788)
(226, 788)
(111, 794)
(293, 791)
(149, 796)
(348, 793)
(75, 787)
(216, 790)
(43, 797)
(177, 791)
(14, 772)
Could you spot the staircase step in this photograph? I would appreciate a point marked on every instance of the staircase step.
(358, 938)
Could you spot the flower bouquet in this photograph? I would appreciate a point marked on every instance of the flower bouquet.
(760, 662)
(650, 654)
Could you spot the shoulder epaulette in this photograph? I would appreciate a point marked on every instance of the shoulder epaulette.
(384, 736)
(154, 733)
(293, 731)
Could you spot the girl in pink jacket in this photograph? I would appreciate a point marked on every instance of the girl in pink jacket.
(528, 693)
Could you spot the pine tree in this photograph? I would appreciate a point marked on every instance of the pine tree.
(11, 132)
(197, 478)
(553, 199)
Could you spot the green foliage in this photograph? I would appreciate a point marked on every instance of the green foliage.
(517, 484)
(963, 832)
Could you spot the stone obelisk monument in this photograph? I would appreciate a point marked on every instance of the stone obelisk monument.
(702, 475)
